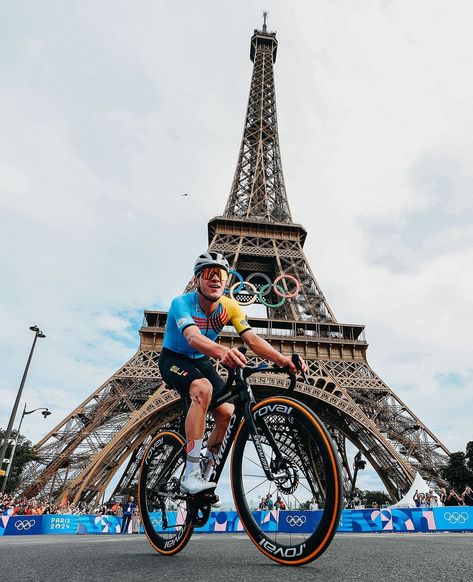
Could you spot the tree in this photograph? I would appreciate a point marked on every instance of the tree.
(469, 455)
(379, 497)
(24, 453)
(457, 473)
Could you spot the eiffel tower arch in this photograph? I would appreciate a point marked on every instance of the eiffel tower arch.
(82, 454)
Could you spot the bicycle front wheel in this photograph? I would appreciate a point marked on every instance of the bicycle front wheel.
(163, 511)
(304, 469)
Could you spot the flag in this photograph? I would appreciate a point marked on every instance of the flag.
(64, 503)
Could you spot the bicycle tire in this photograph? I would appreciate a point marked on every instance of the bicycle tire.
(160, 471)
(311, 466)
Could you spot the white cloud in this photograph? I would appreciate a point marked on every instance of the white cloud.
(108, 117)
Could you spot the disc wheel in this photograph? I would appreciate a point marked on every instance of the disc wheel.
(305, 468)
(163, 514)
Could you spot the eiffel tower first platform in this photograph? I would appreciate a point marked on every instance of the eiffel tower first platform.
(81, 455)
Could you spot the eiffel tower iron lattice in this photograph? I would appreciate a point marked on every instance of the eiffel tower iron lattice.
(80, 456)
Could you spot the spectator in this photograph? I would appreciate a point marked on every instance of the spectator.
(136, 521)
(127, 513)
(279, 504)
(452, 498)
(467, 496)
(433, 499)
(313, 505)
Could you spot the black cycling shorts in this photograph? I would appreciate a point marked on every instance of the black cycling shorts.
(179, 371)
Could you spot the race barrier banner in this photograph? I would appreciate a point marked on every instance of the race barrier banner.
(390, 519)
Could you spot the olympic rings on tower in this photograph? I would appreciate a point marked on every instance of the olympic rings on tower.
(253, 294)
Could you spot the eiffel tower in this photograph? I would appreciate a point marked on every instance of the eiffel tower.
(81, 455)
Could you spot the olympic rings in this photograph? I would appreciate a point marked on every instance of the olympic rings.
(287, 295)
(296, 520)
(240, 279)
(251, 292)
(456, 517)
(262, 276)
(24, 525)
(248, 285)
(276, 287)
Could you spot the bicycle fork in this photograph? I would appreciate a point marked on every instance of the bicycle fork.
(257, 438)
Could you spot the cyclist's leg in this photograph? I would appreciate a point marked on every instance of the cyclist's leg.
(200, 392)
(183, 374)
(221, 414)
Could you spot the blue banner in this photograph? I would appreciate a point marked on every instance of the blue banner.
(21, 525)
(60, 524)
(390, 519)
(99, 524)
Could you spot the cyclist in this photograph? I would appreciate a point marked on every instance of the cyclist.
(194, 322)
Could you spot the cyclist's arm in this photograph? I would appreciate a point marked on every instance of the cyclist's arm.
(228, 356)
(264, 350)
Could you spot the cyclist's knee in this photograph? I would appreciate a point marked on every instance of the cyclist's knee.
(201, 392)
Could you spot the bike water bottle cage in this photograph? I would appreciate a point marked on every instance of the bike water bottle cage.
(209, 273)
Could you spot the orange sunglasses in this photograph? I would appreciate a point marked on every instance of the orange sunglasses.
(210, 272)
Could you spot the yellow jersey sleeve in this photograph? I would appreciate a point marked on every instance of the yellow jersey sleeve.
(235, 314)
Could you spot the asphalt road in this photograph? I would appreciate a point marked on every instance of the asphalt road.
(215, 557)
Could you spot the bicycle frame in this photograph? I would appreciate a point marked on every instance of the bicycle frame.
(243, 397)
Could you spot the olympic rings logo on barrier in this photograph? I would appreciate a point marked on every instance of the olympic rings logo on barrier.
(249, 287)
(21, 525)
(296, 520)
(456, 517)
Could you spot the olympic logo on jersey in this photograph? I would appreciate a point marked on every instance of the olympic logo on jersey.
(456, 517)
(24, 525)
(285, 286)
(296, 520)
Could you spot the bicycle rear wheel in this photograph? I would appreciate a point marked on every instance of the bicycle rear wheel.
(163, 514)
(304, 469)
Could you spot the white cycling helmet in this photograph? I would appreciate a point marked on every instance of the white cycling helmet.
(210, 260)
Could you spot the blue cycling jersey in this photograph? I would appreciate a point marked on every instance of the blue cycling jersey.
(185, 310)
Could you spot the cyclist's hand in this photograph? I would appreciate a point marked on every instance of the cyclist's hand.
(287, 362)
(233, 358)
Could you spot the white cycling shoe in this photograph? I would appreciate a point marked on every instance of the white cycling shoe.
(195, 483)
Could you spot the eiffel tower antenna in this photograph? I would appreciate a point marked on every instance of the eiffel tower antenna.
(265, 14)
(80, 456)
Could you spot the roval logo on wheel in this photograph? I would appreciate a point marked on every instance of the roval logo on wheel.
(296, 520)
(25, 525)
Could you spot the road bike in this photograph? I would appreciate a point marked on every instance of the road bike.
(280, 449)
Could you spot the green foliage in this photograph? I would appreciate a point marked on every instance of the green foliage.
(379, 497)
(469, 455)
(458, 472)
(24, 454)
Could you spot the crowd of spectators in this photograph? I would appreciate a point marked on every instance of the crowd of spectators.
(267, 502)
(17, 505)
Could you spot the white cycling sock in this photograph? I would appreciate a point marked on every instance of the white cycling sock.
(210, 462)
(193, 449)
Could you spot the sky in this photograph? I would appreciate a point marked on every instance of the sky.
(109, 115)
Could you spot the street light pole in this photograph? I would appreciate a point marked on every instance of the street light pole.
(45, 413)
(37, 334)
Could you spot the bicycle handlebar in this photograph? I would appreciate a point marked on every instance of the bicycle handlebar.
(247, 371)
